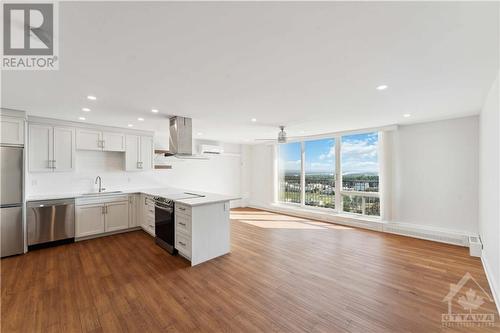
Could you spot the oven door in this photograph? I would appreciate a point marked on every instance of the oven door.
(164, 225)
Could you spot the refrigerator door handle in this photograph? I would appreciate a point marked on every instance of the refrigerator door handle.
(11, 205)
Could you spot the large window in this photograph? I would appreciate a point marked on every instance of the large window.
(360, 174)
(309, 173)
(320, 173)
(290, 172)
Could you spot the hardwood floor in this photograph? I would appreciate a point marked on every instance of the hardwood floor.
(283, 274)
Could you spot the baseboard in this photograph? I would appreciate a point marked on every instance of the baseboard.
(440, 235)
(491, 281)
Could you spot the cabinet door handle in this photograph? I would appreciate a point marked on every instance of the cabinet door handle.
(102, 210)
(106, 208)
(183, 224)
(183, 244)
(180, 208)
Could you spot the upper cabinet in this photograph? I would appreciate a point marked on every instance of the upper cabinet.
(88, 139)
(113, 141)
(52, 145)
(138, 153)
(12, 130)
(51, 148)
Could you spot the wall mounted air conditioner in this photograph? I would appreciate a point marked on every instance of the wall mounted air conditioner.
(211, 149)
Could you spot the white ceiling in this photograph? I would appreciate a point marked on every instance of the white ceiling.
(311, 66)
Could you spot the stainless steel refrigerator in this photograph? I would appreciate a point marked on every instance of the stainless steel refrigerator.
(11, 200)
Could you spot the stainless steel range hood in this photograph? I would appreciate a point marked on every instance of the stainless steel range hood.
(181, 137)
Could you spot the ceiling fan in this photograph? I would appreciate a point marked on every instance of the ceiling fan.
(282, 136)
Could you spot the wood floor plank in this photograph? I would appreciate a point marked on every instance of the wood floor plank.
(284, 274)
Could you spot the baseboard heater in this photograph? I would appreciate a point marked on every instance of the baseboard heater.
(475, 246)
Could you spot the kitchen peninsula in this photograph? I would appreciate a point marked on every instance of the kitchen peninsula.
(200, 219)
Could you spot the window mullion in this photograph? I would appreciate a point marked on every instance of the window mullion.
(338, 174)
(302, 174)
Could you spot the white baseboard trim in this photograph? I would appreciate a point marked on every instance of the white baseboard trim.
(491, 281)
(441, 235)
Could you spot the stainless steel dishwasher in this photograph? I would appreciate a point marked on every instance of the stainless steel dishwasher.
(50, 222)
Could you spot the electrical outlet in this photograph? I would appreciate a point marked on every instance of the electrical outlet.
(34, 182)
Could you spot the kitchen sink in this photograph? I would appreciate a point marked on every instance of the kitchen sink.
(101, 193)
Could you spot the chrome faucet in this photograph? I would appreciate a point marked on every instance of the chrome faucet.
(98, 178)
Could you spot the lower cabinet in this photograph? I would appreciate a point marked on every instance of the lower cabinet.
(147, 215)
(89, 220)
(116, 217)
(133, 210)
(98, 218)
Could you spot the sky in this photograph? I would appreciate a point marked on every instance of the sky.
(359, 155)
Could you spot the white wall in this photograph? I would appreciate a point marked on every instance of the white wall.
(435, 174)
(489, 186)
(261, 175)
(219, 174)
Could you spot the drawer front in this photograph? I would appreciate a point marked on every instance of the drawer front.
(183, 224)
(183, 244)
(183, 209)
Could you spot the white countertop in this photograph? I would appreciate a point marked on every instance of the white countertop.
(163, 192)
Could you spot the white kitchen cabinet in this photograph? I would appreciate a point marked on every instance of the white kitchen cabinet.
(148, 214)
(64, 149)
(89, 220)
(132, 210)
(146, 161)
(202, 232)
(132, 152)
(12, 130)
(88, 139)
(95, 215)
(40, 148)
(113, 141)
(138, 153)
(116, 216)
(51, 148)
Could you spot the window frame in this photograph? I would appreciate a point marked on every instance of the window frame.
(339, 192)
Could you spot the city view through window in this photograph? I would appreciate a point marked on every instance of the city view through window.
(360, 173)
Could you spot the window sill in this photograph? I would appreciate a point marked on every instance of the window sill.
(373, 223)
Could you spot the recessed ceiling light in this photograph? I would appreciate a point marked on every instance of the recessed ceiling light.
(154, 110)
(382, 87)
(199, 133)
(92, 98)
(140, 119)
(407, 115)
(253, 120)
(81, 118)
(86, 109)
(130, 125)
